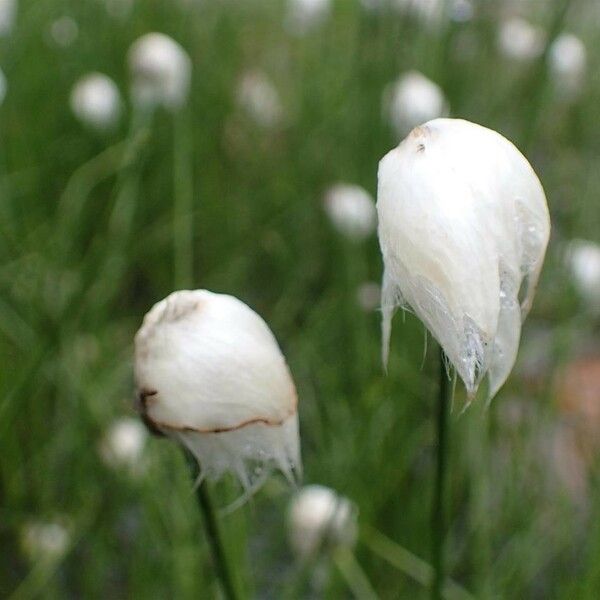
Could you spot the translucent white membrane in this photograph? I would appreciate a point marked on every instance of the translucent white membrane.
(210, 374)
(463, 228)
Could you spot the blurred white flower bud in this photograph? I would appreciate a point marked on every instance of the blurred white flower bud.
(96, 102)
(8, 14)
(210, 374)
(123, 445)
(519, 40)
(583, 259)
(45, 541)
(305, 15)
(368, 296)
(318, 518)
(3, 86)
(160, 71)
(118, 9)
(463, 229)
(413, 99)
(64, 31)
(567, 60)
(351, 210)
(259, 98)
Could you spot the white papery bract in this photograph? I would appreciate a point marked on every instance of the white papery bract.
(305, 15)
(567, 60)
(583, 260)
(320, 519)
(96, 102)
(463, 229)
(519, 40)
(210, 374)
(351, 210)
(160, 71)
(123, 445)
(412, 100)
(8, 13)
(259, 98)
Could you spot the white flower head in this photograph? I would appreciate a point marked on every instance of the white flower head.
(160, 71)
(583, 259)
(305, 15)
(8, 14)
(3, 86)
(519, 40)
(351, 209)
(463, 229)
(259, 98)
(368, 296)
(433, 12)
(123, 445)
(318, 518)
(210, 374)
(567, 61)
(413, 99)
(45, 541)
(64, 31)
(96, 102)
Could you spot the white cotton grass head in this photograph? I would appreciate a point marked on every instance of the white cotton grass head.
(520, 41)
(583, 261)
(8, 15)
(413, 99)
(160, 72)
(45, 541)
(64, 31)
(567, 61)
(303, 16)
(319, 519)
(95, 100)
(210, 374)
(351, 210)
(368, 296)
(258, 97)
(463, 229)
(123, 444)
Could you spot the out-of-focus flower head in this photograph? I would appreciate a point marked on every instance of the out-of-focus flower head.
(519, 40)
(45, 540)
(8, 15)
(320, 519)
(567, 60)
(123, 445)
(368, 295)
(160, 72)
(96, 102)
(413, 99)
(351, 210)
(259, 98)
(463, 229)
(305, 15)
(210, 374)
(583, 261)
(64, 31)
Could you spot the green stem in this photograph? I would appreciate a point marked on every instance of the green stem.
(438, 516)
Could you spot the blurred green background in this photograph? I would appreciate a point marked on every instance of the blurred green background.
(87, 246)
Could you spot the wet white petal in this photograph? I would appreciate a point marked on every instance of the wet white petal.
(463, 228)
(210, 374)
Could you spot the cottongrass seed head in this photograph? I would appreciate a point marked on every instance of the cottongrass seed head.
(96, 102)
(123, 444)
(258, 97)
(351, 210)
(463, 229)
(583, 261)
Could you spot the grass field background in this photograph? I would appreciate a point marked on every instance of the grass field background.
(86, 247)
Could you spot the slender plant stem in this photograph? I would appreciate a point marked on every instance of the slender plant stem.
(438, 516)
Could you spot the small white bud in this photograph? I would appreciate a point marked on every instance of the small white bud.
(463, 229)
(123, 445)
(210, 374)
(519, 40)
(368, 296)
(45, 541)
(305, 15)
(64, 31)
(160, 71)
(8, 14)
(259, 98)
(412, 100)
(320, 519)
(351, 209)
(583, 259)
(567, 60)
(96, 102)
